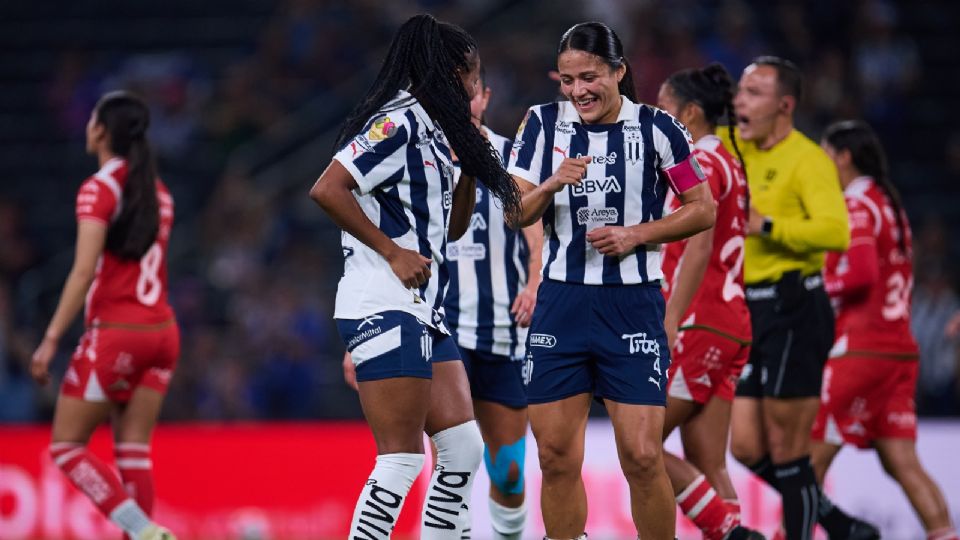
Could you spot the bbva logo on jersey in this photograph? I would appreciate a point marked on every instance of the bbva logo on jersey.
(609, 184)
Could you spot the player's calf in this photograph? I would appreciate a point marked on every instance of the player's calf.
(445, 510)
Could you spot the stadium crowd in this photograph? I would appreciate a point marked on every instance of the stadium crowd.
(253, 269)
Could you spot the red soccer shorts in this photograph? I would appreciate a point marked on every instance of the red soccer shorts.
(110, 362)
(864, 399)
(706, 364)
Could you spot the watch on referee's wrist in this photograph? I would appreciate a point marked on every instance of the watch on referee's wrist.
(767, 228)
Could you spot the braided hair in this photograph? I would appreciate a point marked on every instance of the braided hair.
(425, 58)
(710, 88)
(126, 119)
(599, 39)
(869, 159)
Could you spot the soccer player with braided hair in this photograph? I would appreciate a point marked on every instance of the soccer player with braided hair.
(706, 318)
(390, 187)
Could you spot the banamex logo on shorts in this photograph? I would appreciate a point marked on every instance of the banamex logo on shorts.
(543, 340)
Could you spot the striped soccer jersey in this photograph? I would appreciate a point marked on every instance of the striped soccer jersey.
(404, 173)
(488, 268)
(633, 161)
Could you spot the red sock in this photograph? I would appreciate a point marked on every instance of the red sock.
(733, 506)
(706, 510)
(136, 470)
(947, 533)
(90, 475)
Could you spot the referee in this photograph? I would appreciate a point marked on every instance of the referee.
(797, 213)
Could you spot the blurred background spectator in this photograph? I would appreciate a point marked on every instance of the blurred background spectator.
(247, 95)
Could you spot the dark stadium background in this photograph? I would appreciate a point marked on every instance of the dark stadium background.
(246, 96)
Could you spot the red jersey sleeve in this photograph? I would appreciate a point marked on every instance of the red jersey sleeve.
(97, 200)
(714, 173)
(858, 268)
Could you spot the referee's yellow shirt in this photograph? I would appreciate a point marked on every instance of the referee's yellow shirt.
(796, 184)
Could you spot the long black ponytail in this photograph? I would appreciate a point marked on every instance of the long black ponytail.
(599, 39)
(126, 119)
(869, 159)
(711, 88)
(425, 58)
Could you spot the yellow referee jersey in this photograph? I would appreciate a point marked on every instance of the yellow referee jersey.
(796, 184)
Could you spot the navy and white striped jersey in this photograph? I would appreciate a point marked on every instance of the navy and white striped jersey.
(402, 165)
(634, 161)
(488, 268)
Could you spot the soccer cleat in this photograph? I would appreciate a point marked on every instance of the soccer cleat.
(861, 530)
(156, 532)
(742, 533)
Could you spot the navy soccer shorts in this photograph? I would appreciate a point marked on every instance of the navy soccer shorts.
(606, 340)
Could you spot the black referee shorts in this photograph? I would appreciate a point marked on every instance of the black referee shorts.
(793, 331)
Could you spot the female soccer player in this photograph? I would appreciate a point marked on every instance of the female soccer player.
(707, 321)
(390, 188)
(494, 275)
(870, 380)
(129, 350)
(596, 170)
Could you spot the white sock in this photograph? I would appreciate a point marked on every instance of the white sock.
(507, 522)
(382, 497)
(445, 510)
(130, 517)
(581, 537)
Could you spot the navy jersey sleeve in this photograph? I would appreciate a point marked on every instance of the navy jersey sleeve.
(526, 155)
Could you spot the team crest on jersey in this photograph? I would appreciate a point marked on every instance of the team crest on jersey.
(632, 146)
(382, 128)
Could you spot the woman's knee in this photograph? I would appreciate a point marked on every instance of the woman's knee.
(643, 460)
(559, 460)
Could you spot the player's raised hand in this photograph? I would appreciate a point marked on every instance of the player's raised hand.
(612, 240)
(412, 268)
(40, 362)
(570, 172)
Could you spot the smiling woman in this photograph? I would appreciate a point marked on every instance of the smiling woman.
(590, 168)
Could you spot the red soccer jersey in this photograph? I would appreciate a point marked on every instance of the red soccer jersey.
(871, 283)
(125, 291)
(719, 302)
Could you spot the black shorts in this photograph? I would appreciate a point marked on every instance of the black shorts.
(792, 335)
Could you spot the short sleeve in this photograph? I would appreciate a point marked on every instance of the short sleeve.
(864, 222)
(526, 155)
(715, 174)
(97, 200)
(674, 147)
(379, 152)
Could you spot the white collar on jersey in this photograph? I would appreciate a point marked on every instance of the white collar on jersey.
(858, 185)
(708, 142)
(628, 111)
(417, 109)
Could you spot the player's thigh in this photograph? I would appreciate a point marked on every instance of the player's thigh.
(821, 457)
(897, 456)
(638, 430)
(705, 435)
(678, 412)
(396, 410)
(788, 424)
(75, 419)
(134, 421)
(500, 424)
(747, 435)
(560, 428)
(450, 403)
